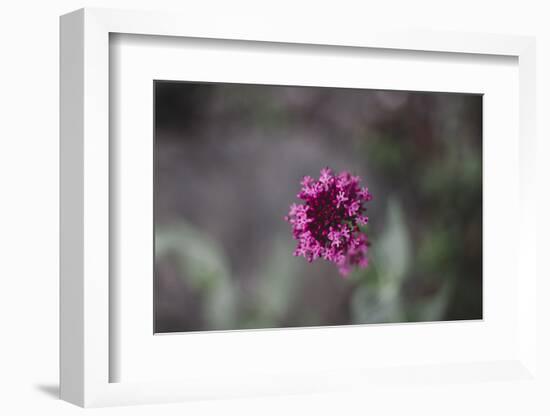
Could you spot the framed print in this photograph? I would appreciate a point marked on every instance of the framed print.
(263, 211)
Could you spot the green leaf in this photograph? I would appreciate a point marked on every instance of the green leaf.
(204, 266)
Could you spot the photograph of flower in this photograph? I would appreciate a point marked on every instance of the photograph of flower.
(301, 206)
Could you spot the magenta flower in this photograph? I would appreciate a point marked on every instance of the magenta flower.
(326, 224)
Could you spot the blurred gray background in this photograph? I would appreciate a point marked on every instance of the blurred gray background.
(228, 162)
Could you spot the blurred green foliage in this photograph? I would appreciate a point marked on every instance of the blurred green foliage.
(204, 265)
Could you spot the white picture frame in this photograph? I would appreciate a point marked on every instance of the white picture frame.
(87, 298)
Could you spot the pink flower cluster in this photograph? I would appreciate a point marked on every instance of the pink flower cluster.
(326, 224)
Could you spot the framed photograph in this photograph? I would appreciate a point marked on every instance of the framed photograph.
(268, 211)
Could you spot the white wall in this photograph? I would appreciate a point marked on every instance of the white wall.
(29, 208)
